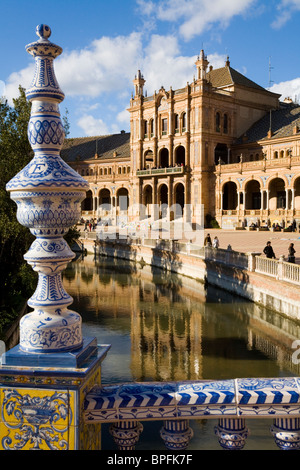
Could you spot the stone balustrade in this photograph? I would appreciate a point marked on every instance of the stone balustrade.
(230, 402)
(160, 171)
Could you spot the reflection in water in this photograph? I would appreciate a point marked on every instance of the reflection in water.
(165, 327)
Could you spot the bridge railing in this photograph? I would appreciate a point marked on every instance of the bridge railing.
(232, 402)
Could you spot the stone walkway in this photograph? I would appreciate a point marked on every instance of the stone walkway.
(245, 241)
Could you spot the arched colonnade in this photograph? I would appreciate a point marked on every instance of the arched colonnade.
(272, 194)
(164, 158)
(108, 202)
(163, 200)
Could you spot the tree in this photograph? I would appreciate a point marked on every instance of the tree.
(15, 153)
(17, 279)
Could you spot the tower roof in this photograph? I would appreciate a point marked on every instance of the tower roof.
(226, 76)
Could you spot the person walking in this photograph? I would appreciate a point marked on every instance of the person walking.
(207, 240)
(291, 253)
(216, 242)
(268, 251)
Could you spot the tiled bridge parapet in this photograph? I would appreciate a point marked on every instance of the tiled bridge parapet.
(175, 403)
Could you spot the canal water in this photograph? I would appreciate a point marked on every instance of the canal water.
(166, 327)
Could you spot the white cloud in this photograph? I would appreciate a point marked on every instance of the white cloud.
(97, 80)
(286, 8)
(92, 126)
(106, 65)
(23, 77)
(2, 88)
(288, 89)
(196, 16)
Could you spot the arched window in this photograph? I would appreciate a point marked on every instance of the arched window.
(218, 122)
(151, 127)
(176, 123)
(164, 126)
(183, 122)
(145, 128)
(276, 154)
(225, 124)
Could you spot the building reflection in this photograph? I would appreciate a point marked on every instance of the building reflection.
(176, 328)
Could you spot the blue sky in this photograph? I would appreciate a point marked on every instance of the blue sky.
(105, 43)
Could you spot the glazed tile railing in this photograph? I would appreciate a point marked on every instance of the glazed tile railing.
(230, 402)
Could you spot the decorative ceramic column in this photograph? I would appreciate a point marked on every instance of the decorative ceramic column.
(126, 434)
(48, 194)
(176, 434)
(286, 432)
(44, 379)
(232, 433)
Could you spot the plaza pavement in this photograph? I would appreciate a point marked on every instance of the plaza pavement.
(251, 241)
(254, 241)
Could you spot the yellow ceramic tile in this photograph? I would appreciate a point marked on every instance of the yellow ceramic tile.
(37, 418)
(30, 437)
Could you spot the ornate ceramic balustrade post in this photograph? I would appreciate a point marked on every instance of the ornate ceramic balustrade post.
(232, 433)
(286, 432)
(53, 364)
(48, 194)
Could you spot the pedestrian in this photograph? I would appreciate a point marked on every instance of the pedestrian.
(216, 242)
(291, 253)
(268, 251)
(207, 240)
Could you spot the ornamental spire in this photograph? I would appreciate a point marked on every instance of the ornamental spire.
(48, 193)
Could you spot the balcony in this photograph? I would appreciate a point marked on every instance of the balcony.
(262, 165)
(161, 171)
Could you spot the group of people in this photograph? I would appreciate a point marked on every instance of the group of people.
(268, 250)
(207, 241)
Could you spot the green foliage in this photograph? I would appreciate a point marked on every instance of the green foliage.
(211, 222)
(72, 235)
(16, 278)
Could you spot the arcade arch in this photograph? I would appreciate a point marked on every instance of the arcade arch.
(179, 199)
(277, 194)
(164, 158)
(123, 199)
(180, 155)
(297, 194)
(87, 203)
(230, 196)
(252, 195)
(163, 195)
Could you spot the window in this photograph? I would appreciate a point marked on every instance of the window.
(164, 126)
(184, 122)
(218, 122)
(225, 124)
(145, 128)
(151, 127)
(176, 123)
